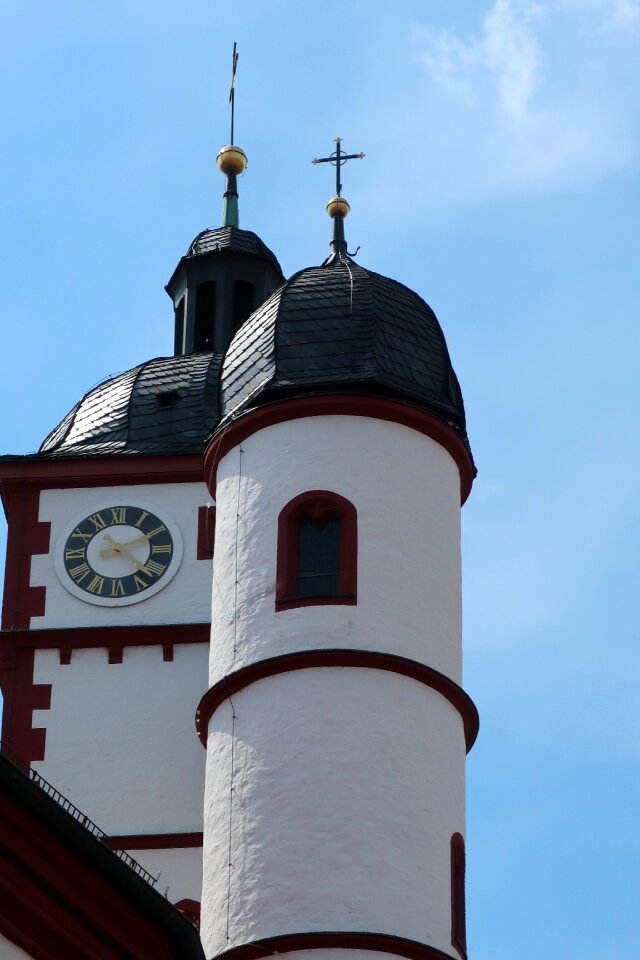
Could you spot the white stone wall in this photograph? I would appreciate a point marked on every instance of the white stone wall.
(346, 784)
(406, 489)
(347, 787)
(185, 599)
(120, 741)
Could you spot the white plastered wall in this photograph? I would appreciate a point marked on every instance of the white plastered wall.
(406, 489)
(9, 951)
(178, 871)
(185, 599)
(347, 786)
(120, 738)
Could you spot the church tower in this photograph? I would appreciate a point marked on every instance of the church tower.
(335, 724)
(265, 526)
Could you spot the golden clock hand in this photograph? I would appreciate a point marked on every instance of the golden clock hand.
(125, 553)
(143, 538)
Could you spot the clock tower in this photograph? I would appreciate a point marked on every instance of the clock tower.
(107, 601)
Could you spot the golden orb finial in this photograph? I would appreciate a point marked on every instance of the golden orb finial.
(338, 206)
(232, 159)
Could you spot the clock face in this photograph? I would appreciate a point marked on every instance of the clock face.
(118, 554)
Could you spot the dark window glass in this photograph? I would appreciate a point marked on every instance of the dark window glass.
(205, 316)
(179, 334)
(318, 573)
(242, 302)
(458, 918)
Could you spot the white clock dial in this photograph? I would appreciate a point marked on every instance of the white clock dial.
(118, 554)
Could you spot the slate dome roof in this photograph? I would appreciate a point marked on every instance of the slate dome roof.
(234, 240)
(165, 406)
(340, 326)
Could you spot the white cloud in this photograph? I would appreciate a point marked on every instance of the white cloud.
(507, 53)
(615, 15)
(533, 100)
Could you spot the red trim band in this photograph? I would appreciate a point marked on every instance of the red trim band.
(330, 940)
(153, 841)
(340, 405)
(101, 471)
(115, 638)
(308, 659)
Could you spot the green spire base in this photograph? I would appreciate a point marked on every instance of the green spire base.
(230, 213)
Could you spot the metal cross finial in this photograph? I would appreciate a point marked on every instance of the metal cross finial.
(232, 91)
(338, 159)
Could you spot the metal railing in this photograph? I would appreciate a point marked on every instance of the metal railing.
(77, 815)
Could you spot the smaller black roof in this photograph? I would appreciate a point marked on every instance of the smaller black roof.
(165, 406)
(234, 240)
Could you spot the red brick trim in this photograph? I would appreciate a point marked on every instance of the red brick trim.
(334, 940)
(26, 537)
(21, 697)
(318, 504)
(101, 471)
(340, 405)
(153, 841)
(206, 531)
(368, 659)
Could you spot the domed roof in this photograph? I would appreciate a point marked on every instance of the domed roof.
(234, 240)
(341, 327)
(165, 406)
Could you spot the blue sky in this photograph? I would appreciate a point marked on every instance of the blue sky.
(501, 183)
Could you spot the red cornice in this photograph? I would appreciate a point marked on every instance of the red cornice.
(92, 637)
(153, 841)
(334, 940)
(99, 471)
(340, 405)
(368, 659)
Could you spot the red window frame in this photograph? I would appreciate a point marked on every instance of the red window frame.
(458, 911)
(317, 505)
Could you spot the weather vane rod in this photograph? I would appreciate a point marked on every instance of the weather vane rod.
(338, 159)
(232, 91)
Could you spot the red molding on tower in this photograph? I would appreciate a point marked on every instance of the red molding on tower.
(334, 940)
(367, 659)
(153, 841)
(100, 471)
(340, 405)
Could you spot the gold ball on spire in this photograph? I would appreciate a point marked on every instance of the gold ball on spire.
(338, 206)
(232, 159)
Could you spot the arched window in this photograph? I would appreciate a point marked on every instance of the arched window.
(317, 551)
(205, 316)
(458, 917)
